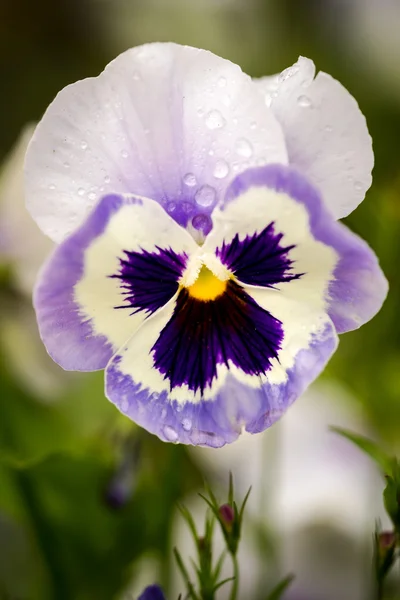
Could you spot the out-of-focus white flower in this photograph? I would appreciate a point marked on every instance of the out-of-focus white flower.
(24, 247)
(21, 241)
(314, 488)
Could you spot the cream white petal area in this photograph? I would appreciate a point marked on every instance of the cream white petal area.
(326, 134)
(101, 283)
(169, 122)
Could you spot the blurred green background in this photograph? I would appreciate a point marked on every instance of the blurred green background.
(62, 445)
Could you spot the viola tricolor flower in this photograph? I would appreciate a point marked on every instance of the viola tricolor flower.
(199, 259)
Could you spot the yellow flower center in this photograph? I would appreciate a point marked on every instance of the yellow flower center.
(207, 286)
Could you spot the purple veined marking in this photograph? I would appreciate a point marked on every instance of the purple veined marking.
(149, 279)
(259, 259)
(204, 334)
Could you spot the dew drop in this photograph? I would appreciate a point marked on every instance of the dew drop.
(205, 196)
(202, 223)
(358, 186)
(253, 125)
(244, 148)
(124, 405)
(154, 396)
(187, 424)
(187, 207)
(304, 102)
(221, 169)
(222, 82)
(84, 145)
(189, 179)
(178, 407)
(163, 413)
(67, 165)
(81, 192)
(107, 179)
(200, 111)
(92, 196)
(215, 120)
(328, 129)
(287, 73)
(171, 207)
(52, 186)
(124, 154)
(170, 433)
(136, 76)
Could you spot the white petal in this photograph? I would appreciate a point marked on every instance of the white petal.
(161, 121)
(326, 134)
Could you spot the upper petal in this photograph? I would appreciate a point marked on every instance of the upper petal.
(326, 134)
(164, 121)
(104, 280)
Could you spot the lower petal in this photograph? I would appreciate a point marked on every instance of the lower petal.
(237, 396)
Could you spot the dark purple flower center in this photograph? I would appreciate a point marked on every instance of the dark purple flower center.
(203, 334)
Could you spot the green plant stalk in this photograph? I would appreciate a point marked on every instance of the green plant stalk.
(235, 583)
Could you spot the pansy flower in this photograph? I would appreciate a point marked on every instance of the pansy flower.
(199, 260)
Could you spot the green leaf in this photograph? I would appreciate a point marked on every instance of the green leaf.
(383, 460)
(282, 586)
(185, 575)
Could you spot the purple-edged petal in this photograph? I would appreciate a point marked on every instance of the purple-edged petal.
(318, 264)
(326, 133)
(234, 401)
(168, 122)
(105, 279)
(153, 592)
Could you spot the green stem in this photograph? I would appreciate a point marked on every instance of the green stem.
(235, 583)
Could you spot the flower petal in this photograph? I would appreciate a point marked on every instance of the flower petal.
(322, 265)
(326, 134)
(233, 401)
(101, 283)
(168, 122)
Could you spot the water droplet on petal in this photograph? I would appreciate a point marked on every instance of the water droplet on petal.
(67, 165)
(358, 186)
(171, 207)
(170, 433)
(189, 179)
(52, 186)
(81, 192)
(92, 196)
(287, 73)
(244, 148)
(136, 76)
(215, 120)
(328, 128)
(304, 101)
(221, 169)
(163, 413)
(124, 406)
(187, 424)
(222, 82)
(84, 145)
(154, 396)
(202, 223)
(187, 207)
(205, 196)
(107, 179)
(124, 154)
(253, 125)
